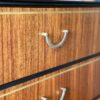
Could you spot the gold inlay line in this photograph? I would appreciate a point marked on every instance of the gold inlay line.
(50, 12)
(49, 77)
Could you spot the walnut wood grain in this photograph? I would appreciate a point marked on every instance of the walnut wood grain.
(23, 51)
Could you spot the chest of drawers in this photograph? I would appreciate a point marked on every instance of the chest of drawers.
(31, 68)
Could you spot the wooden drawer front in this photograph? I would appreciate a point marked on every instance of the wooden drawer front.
(24, 51)
(82, 84)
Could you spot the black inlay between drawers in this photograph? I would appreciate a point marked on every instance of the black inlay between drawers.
(97, 97)
(45, 72)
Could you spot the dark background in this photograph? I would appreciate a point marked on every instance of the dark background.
(48, 0)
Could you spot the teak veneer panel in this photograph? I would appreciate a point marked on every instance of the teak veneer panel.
(23, 51)
(83, 84)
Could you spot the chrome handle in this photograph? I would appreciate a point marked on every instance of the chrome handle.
(55, 45)
(63, 93)
(44, 98)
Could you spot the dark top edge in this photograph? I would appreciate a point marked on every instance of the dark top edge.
(49, 4)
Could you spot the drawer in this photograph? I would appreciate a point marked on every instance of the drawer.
(23, 49)
(82, 84)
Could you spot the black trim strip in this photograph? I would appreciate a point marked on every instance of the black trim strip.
(97, 97)
(48, 71)
(26, 3)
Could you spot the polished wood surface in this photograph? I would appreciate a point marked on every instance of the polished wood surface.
(82, 84)
(23, 51)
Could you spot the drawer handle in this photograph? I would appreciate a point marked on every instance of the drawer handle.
(63, 93)
(55, 45)
(44, 98)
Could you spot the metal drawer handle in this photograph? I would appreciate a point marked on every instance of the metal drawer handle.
(63, 93)
(55, 45)
(44, 98)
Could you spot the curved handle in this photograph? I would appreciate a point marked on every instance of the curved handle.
(44, 98)
(63, 93)
(55, 45)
